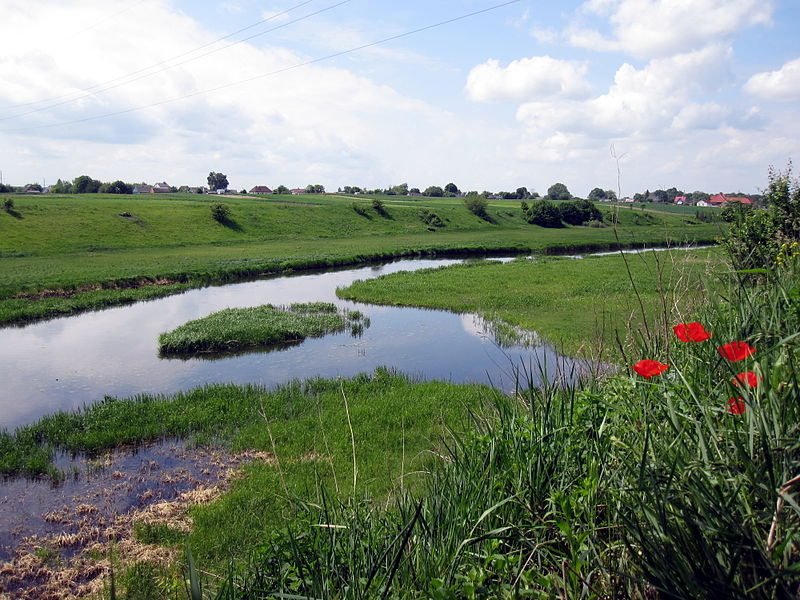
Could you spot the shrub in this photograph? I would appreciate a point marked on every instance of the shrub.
(430, 218)
(754, 235)
(220, 212)
(8, 204)
(379, 207)
(476, 205)
(544, 213)
(578, 212)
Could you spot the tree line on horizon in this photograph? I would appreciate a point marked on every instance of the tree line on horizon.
(84, 184)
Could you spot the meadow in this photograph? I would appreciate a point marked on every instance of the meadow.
(584, 307)
(640, 483)
(64, 254)
(672, 476)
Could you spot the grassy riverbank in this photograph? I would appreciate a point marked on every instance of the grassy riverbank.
(625, 486)
(584, 306)
(64, 254)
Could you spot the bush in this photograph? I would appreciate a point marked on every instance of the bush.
(433, 191)
(220, 212)
(544, 213)
(379, 207)
(476, 205)
(8, 204)
(578, 212)
(754, 235)
(430, 218)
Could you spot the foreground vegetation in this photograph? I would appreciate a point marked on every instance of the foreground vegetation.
(676, 482)
(238, 329)
(64, 254)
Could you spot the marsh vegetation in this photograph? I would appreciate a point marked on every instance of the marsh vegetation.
(237, 329)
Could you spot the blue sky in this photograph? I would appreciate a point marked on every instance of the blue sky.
(699, 95)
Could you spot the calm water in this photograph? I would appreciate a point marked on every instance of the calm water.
(70, 362)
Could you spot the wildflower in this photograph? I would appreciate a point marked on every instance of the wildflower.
(691, 332)
(736, 406)
(648, 368)
(748, 378)
(736, 351)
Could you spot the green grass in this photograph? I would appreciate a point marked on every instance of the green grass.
(395, 424)
(63, 254)
(576, 304)
(619, 488)
(237, 329)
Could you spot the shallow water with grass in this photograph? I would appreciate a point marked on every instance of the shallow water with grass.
(76, 361)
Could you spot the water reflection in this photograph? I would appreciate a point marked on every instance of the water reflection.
(75, 361)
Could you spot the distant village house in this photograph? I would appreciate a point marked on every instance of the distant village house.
(260, 189)
(720, 199)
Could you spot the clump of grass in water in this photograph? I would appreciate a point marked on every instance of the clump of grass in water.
(235, 329)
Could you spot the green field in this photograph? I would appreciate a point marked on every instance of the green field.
(63, 254)
(582, 306)
(383, 486)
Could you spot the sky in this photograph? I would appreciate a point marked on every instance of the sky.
(492, 95)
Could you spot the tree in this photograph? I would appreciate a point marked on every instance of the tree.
(544, 213)
(217, 181)
(220, 212)
(672, 193)
(452, 188)
(579, 212)
(281, 189)
(61, 187)
(477, 206)
(522, 193)
(398, 190)
(698, 196)
(118, 187)
(85, 185)
(433, 191)
(660, 196)
(315, 189)
(558, 191)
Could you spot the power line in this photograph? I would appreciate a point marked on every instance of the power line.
(158, 64)
(271, 73)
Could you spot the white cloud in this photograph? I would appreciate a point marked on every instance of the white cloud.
(645, 101)
(316, 122)
(658, 28)
(527, 78)
(783, 84)
(544, 35)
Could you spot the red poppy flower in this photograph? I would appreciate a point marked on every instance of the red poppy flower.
(748, 378)
(648, 368)
(736, 406)
(736, 351)
(691, 332)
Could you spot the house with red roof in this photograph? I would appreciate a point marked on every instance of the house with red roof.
(720, 199)
(260, 189)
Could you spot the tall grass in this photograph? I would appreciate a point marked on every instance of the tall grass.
(621, 487)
